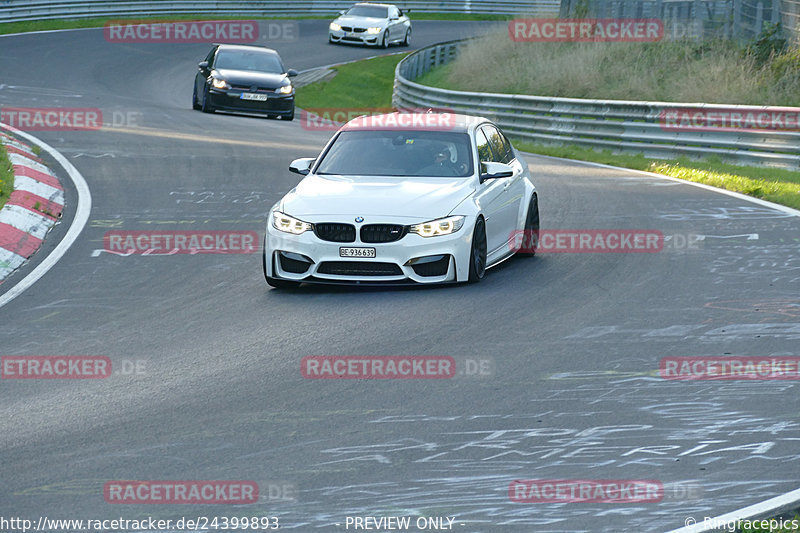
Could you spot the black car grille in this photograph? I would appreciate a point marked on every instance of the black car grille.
(329, 231)
(433, 268)
(356, 30)
(246, 88)
(382, 232)
(359, 268)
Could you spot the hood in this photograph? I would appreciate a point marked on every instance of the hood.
(247, 77)
(360, 22)
(420, 198)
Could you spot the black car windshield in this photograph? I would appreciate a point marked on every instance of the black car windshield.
(254, 61)
(399, 153)
(368, 11)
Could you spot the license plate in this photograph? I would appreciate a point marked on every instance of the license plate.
(254, 96)
(345, 251)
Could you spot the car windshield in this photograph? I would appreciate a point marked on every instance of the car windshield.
(255, 61)
(368, 11)
(402, 154)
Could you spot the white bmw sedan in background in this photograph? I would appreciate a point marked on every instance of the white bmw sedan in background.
(371, 24)
(403, 198)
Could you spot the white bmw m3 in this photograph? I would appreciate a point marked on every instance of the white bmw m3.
(403, 198)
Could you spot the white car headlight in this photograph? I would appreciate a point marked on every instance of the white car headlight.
(335, 27)
(220, 83)
(373, 31)
(440, 226)
(286, 89)
(283, 222)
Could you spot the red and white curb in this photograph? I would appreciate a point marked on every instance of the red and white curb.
(32, 209)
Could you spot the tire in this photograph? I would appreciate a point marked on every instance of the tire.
(205, 106)
(385, 40)
(330, 39)
(195, 105)
(275, 282)
(530, 238)
(477, 252)
(407, 39)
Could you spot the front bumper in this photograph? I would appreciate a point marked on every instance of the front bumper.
(409, 260)
(231, 100)
(341, 36)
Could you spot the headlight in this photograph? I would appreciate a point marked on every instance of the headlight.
(440, 226)
(218, 83)
(335, 27)
(283, 222)
(373, 31)
(286, 89)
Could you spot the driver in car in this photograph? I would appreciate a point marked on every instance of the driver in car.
(440, 166)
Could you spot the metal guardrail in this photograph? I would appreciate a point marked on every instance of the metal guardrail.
(631, 127)
(790, 18)
(24, 10)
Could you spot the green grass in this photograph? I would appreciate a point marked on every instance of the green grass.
(775, 185)
(438, 77)
(361, 85)
(99, 22)
(719, 71)
(6, 176)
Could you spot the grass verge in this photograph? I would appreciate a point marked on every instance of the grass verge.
(374, 79)
(6, 176)
(723, 72)
(99, 22)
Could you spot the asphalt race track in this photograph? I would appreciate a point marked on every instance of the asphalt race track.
(573, 340)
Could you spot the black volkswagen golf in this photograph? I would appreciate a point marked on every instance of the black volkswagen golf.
(244, 78)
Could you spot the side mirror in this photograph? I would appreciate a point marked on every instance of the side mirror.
(342, 12)
(292, 73)
(491, 170)
(203, 64)
(394, 18)
(302, 166)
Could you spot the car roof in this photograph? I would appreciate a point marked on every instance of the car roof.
(372, 4)
(434, 121)
(246, 47)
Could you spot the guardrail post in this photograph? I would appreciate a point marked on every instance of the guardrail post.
(759, 19)
(737, 18)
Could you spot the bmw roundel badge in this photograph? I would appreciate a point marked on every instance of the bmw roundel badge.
(359, 219)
